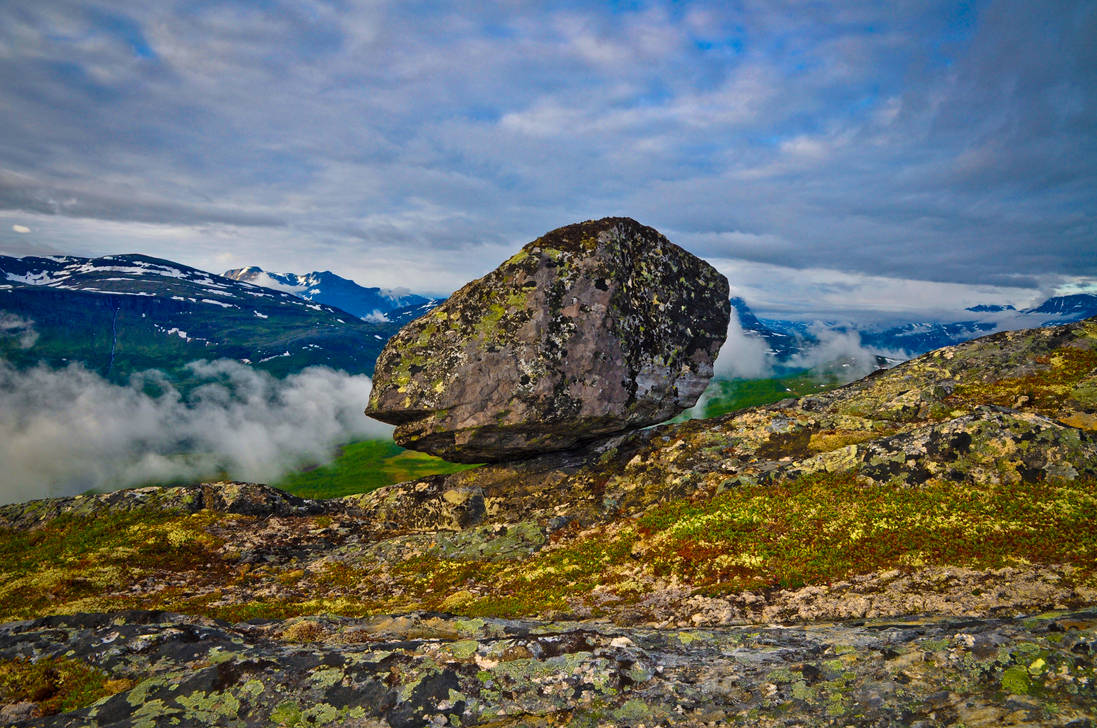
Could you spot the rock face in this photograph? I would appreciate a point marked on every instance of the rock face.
(592, 329)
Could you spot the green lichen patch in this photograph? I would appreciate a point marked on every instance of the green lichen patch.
(56, 684)
(72, 562)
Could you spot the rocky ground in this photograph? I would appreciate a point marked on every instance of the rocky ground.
(431, 669)
(761, 568)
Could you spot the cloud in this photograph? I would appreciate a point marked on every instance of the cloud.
(780, 292)
(20, 328)
(835, 350)
(839, 353)
(21, 229)
(743, 355)
(64, 431)
(934, 141)
(836, 353)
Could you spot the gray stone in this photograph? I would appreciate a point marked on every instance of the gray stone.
(592, 329)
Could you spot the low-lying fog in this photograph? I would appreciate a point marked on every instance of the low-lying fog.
(65, 431)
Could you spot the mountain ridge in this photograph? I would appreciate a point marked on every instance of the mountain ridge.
(124, 313)
(367, 303)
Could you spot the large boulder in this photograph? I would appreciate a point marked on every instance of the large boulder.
(591, 329)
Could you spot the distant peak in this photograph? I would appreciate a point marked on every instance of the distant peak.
(990, 308)
(238, 272)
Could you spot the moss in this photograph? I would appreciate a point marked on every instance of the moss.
(836, 439)
(1045, 389)
(56, 684)
(304, 631)
(463, 649)
(287, 713)
(71, 560)
(812, 530)
(824, 527)
(633, 710)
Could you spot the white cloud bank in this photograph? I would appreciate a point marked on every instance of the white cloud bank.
(65, 431)
(743, 355)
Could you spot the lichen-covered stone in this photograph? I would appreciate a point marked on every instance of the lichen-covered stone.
(433, 670)
(592, 329)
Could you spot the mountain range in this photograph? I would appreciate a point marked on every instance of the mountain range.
(121, 314)
(784, 339)
(917, 337)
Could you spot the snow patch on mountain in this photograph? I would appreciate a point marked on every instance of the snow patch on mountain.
(367, 303)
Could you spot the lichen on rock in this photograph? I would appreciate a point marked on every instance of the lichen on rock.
(591, 329)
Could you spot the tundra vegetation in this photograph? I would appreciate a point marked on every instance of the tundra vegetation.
(611, 585)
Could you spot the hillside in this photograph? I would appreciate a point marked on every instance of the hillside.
(125, 313)
(634, 581)
(1062, 309)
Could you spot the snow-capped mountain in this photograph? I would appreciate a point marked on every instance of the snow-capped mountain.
(1064, 309)
(370, 304)
(990, 308)
(400, 316)
(919, 337)
(124, 313)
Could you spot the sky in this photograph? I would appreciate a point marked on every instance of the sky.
(827, 157)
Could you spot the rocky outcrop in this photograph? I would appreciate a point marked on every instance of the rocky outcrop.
(592, 329)
(251, 499)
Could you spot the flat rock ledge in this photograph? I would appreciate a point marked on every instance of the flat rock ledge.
(428, 669)
(591, 329)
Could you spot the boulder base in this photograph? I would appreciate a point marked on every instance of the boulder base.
(592, 329)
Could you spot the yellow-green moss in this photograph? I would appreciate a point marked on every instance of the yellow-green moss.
(1054, 379)
(72, 562)
(56, 684)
